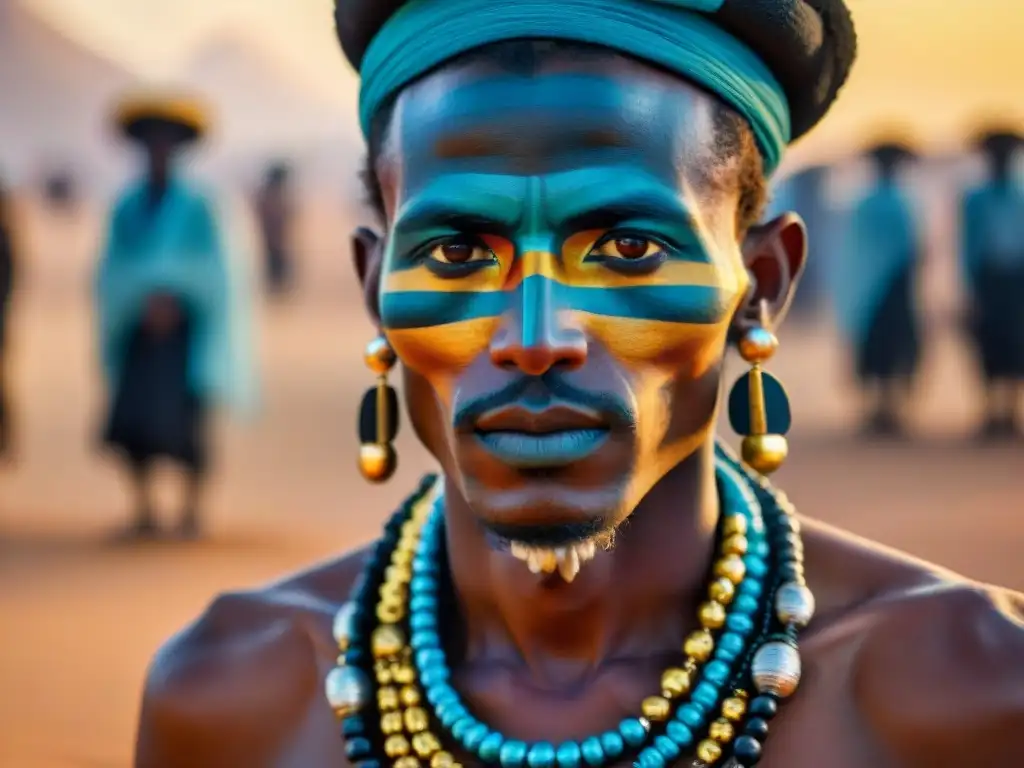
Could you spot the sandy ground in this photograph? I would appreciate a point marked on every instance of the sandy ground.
(81, 618)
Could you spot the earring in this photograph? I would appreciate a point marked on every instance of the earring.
(758, 405)
(378, 416)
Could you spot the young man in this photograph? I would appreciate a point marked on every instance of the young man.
(274, 211)
(570, 240)
(167, 311)
(992, 222)
(875, 291)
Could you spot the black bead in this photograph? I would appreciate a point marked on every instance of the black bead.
(791, 572)
(368, 416)
(764, 706)
(353, 726)
(358, 748)
(757, 728)
(368, 764)
(747, 751)
(356, 657)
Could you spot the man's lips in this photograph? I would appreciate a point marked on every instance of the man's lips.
(556, 418)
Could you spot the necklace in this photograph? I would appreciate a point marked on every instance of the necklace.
(704, 707)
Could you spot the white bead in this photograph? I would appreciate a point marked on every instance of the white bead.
(776, 669)
(344, 621)
(348, 690)
(794, 604)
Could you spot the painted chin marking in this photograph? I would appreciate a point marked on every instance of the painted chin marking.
(565, 561)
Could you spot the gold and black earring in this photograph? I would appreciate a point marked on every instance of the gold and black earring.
(758, 404)
(378, 416)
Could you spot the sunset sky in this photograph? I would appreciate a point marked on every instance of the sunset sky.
(932, 66)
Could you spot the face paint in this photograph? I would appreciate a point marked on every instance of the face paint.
(561, 205)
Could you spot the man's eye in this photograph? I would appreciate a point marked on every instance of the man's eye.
(627, 247)
(461, 251)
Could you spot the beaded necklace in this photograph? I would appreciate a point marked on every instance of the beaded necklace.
(391, 633)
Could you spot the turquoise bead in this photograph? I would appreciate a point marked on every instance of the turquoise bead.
(434, 676)
(705, 694)
(756, 567)
(593, 752)
(650, 758)
(513, 754)
(633, 732)
(751, 588)
(761, 548)
(541, 755)
(730, 646)
(424, 639)
(680, 734)
(612, 744)
(740, 624)
(442, 693)
(568, 755)
(474, 736)
(717, 672)
(430, 658)
(422, 585)
(462, 726)
(425, 604)
(490, 748)
(422, 621)
(668, 748)
(690, 715)
(746, 604)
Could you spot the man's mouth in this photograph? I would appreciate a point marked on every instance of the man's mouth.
(541, 439)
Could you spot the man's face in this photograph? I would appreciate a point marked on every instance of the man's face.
(560, 272)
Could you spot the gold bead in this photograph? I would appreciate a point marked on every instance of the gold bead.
(416, 720)
(709, 751)
(391, 722)
(387, 640)
(764, 453)
(407, 762)
(722, 591)
(675, 682)
(721, 731)
(758, 345)
(410, 696)
(656, 708)
(377, 463)
(403, 674)
(734, 525)
(712, 615)
(425, 744)
(383, 672)
(387, 699)
(442, 760)
(379, 356)
(392, 593)
(403, 557)
(398, 574)
(731, 567)
(389, 613)
(700, 645)
(734, 708)
(396, 746)
(735, 545)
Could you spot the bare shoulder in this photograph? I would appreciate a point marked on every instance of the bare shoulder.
(937, 660)
(237, 685)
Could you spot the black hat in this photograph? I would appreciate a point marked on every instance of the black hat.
(139, 113)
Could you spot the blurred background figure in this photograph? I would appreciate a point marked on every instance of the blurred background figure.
(992, 222)
(875, 291)
(6, 290)
(274, 209)
(164, 304)
(59, 190)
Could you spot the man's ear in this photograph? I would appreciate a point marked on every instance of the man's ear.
(774, 255)
(367, 257)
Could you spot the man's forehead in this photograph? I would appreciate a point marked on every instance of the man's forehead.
(490, 121)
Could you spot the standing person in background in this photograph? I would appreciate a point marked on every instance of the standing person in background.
(168, 312)
(6, 291)
(875, 290)
(992, 258)
(273, 207)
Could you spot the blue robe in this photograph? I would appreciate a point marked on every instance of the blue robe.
(875, 281)
(161, 387)
(992, 267)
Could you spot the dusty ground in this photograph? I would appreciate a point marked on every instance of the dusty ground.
(81, 618)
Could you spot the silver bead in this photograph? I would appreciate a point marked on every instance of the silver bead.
(344, 621)
(348, 690)
(776, 669)
(794, 604)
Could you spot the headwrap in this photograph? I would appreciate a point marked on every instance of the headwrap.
(778, 63)
(186, 114)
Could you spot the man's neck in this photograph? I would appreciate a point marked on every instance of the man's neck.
(638, 599)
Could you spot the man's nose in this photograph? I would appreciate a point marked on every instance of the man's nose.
(537, 334)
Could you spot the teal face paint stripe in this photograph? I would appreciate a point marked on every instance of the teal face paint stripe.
(691, 304)
(670, 33)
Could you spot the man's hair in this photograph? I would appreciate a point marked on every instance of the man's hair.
(733, 136)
